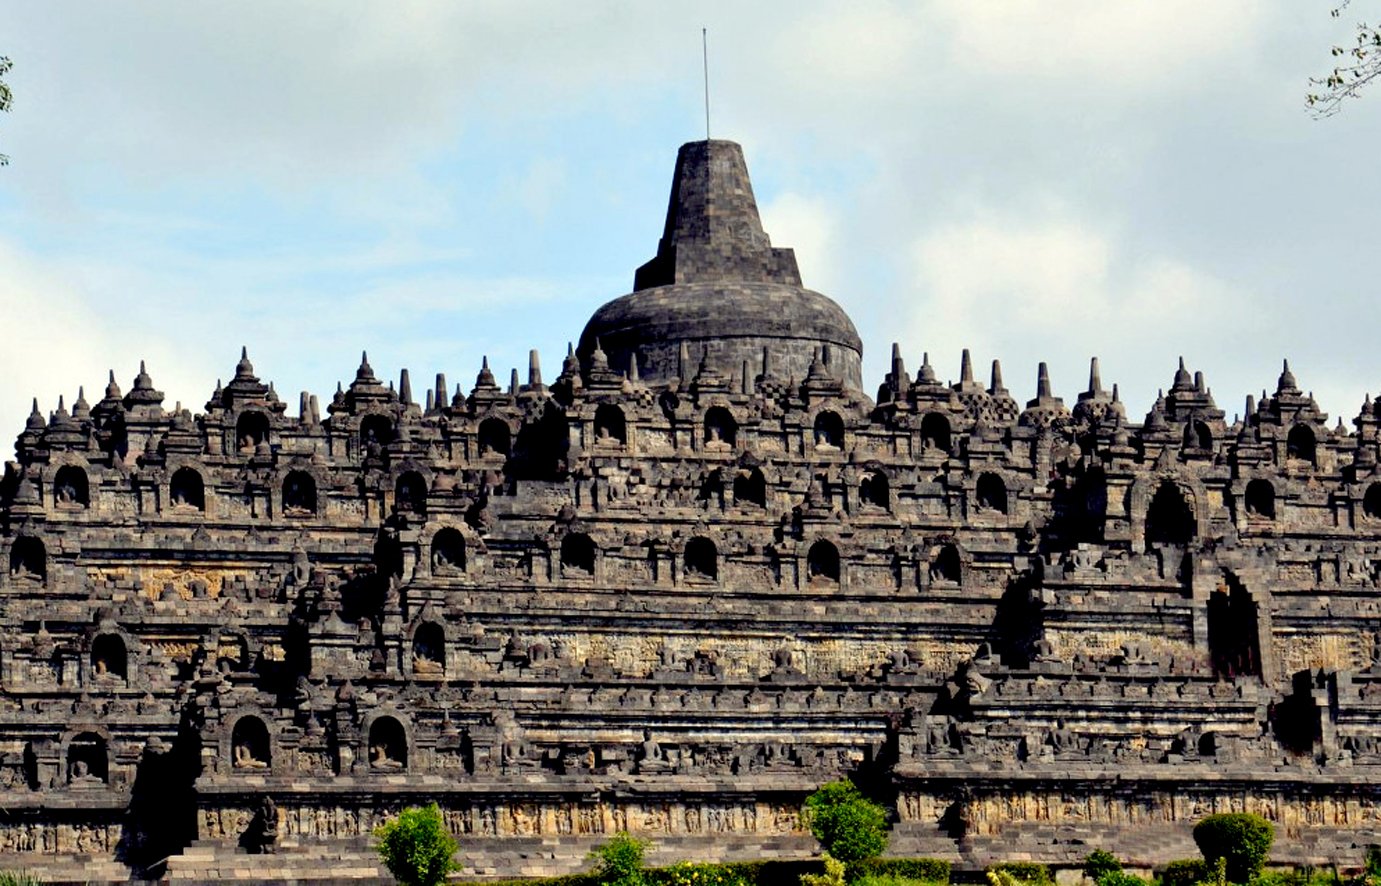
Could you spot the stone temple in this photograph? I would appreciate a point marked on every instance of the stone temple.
(676, 587)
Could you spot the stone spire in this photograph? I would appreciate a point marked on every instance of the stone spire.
(713, 231)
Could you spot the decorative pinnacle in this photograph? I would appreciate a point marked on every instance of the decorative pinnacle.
(1042, 381)
(965, 368)
(244, 369)
(405, 388)
(995, 386)
(927, 373)
(534, 369)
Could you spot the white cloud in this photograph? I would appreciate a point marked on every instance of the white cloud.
(806, 225)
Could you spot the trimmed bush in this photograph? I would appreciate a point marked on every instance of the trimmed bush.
(929, 870)
(1099, 863)
(1031, 873)
(1185, 872)
(848, 825)
(1242, 840)
(619, 860)
(687, 873)
(416, 847)
(833, 875)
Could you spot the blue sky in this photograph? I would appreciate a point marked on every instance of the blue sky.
(435, 182)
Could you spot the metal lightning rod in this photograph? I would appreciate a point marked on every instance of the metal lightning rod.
(705, 55)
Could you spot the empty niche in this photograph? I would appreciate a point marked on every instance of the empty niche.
(108, 660)
(935, 432)
(388, 744)
(946, 565)
(251, 430)
(299, 494)
(494, 437)
(1260, 499)
(578, 554)
(70, 487)
(750, 488)
(702, 559)
(1371, 502)
(991, 493)
(610, 427)
(829, 430)
(448, 552)
(1169, 519)
(822, 562)
(187, 489)
(410, 492)
(872, 489)
(249, 744)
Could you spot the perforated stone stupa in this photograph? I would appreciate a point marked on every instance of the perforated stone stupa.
(675, 588)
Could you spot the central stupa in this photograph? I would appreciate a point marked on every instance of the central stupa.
(719, 292)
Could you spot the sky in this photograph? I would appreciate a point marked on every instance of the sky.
(434, 182)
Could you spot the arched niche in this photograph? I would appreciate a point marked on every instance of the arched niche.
(71, 488)
(88, 763)
(1301, 443)
(1198, 435)
(1371, 502)
(1259, 499)
(429, 650)
(946, 565)
(299, 494)
(388, 744)
(610, 427)
(829, 430)
(1233, 632)
(410, 492)
(109, 660)
(873, 490)
(701, 558)
(251, 431)
(750, 487)
(990, 493)
(578, 554)
(187, 490)
(935, 432)
(448, 552)
(375, 430)
(28, 558)
(494, 437)
(1169, 518)
(822, 563)
(721, 430)
(249, 744)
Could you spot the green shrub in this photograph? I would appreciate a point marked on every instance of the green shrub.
(1099, 863)
(685, 873)
(1030, 873)
(619, 860)
(927, 870)
(1241, 839)
(848, 825)
(18, 878)
(416, 847)
(834, 871)
(890, 880)
(1185, 872)
(1121, 878)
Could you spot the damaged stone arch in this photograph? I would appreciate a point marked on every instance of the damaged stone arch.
(874, 487)
(449, 549)
(494, 437)
(945, 563)
(428, 645)
(300, 490)
(1237, 633)
(85, 752)
(1166, 509)
(411, 486)
(252, 430)
(28, 559)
